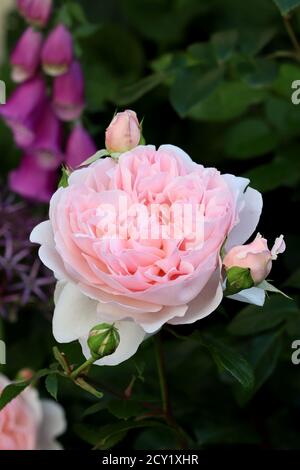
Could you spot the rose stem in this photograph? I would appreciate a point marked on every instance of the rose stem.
(81, 368)
(165, 394)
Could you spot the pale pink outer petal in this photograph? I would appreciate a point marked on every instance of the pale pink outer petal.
(43, 235)
(249, 206)
(254, 295)
(131, 336)
(149, 321)
(53, 425)
(205, 303)
(74, 314)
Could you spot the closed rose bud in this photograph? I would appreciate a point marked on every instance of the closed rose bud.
(68, 94)
(25, 374)
(31, 181)
(36, 12)
(25, 58)
(123, 133)
(22, 110)
(80, 147)
(103, 340)
(57, 53)
(255, 256)
(47, 143)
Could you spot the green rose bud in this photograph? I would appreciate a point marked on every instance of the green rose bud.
(103, 340)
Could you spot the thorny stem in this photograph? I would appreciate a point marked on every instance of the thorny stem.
(167, 412)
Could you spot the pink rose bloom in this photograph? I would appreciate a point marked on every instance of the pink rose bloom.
(123, 133)
(256, 256)
(28, 423)
(141, 282)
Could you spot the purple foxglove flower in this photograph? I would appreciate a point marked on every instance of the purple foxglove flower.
(47, 143)
(32, 181)
(22, 111)
(36, 12)
(68, 94)
(57, 53)
(25, 58)
(80, 147)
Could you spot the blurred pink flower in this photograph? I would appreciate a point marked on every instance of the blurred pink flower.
(68, 94)
(80, 146)
(29, 423)
(47, 143)
(26, 56)
(57, 53)
(22, 110)
(32, 181)
(36, 12)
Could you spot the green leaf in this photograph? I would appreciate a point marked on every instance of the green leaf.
(284, 170)
(125, 409)
(86, 30)
(11, 391)
(263, 355)
(287, 74)
(263, 72)
(283, 115)
(108, 436)
(229, 100)
(133, 92)
(203, 52)
(252, 41)
(223, 44)
(51, 384)
(252, 320)
(192, 85)
(237, 279)
(230, 360)
(250, 138)
(285, 6)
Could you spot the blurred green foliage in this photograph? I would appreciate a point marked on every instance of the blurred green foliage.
(213, 77)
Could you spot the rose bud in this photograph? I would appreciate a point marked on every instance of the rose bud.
(26, 55)
(103, 340)
(255, 256)
(57, 53)
(68, 94)
(22, 111)
(25, 374)
(123, 133)
(36, 12)
(47, 143)
(31, 181)
(80, 146)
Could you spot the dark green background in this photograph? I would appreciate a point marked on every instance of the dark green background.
(213, 77)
